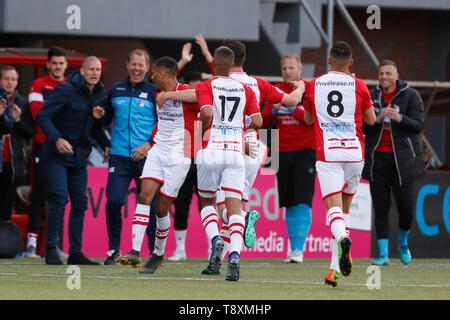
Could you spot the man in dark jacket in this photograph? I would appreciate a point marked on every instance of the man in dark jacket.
(5, 119)
(68, 118)
(15, 168)
(394, 156)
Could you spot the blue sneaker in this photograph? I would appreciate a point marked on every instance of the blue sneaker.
(405, 255)
(381, 261)
(234, 262)
(249, 231)
(215, 260)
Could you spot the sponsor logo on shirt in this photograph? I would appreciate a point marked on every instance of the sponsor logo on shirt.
(143, 95)
(337, 127)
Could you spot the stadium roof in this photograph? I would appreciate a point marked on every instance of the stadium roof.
(38, 56)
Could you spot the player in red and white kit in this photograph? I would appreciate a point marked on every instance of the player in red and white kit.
(224, 103)
(166, 166)
(40, 90)
(256, 150)
(337, 104)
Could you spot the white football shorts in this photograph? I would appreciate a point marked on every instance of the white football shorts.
(164, 167)
(337, 177)
(220, 169)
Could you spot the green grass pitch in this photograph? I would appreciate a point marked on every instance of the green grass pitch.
(261, 279)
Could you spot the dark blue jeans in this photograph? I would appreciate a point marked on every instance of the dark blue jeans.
(121, 171)
(64, 182)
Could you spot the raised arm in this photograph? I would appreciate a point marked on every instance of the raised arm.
(201, 41)
(186, 56)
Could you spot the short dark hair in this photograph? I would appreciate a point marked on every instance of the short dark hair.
(56, 52)
(341, 51)
(170, 65)
(8, 68)
(387, 62)
(193, 76)
(238, 49)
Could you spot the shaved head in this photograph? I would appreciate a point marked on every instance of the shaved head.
(223, 60)
(89, 59)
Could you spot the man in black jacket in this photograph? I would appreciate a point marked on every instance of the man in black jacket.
(15, 167)
(5, 119)
(68, 118)
(394, 156)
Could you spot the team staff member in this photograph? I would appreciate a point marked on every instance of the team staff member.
(132, 104)
(394, 156)
(68, 119)
(14, 164)
(5, 119)
(296, 173)
(40, 91)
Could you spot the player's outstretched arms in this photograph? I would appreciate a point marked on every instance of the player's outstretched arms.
(294, 98)
(183, 95)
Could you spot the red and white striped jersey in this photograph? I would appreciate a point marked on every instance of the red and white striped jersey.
(264, 92)
(231, 100)
(40, 90)
(174, 130)
(336, 101)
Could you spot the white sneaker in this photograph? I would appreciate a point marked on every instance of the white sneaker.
(30, 253)
(61, 254)
(295, 256)
(178, 256)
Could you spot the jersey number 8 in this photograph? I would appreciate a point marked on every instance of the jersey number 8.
(333, 103)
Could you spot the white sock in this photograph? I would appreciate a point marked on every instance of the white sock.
(347, 223)
(336, 221)
(162, 231)
(209, 222)
(225, 216)
(139, 225)
(334, 265)
(32, 239)
(243, 214)
(180, 237)
(237, 223)
(225, 235)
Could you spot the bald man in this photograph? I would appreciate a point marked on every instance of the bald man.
(68, 117)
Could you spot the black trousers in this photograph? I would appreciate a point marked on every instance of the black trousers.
(183, 201)
(296, 177)
(6, 192)
(40, 190)
(385, 180)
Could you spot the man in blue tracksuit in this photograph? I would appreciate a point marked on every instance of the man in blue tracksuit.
(132, 104)
(69, 118)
